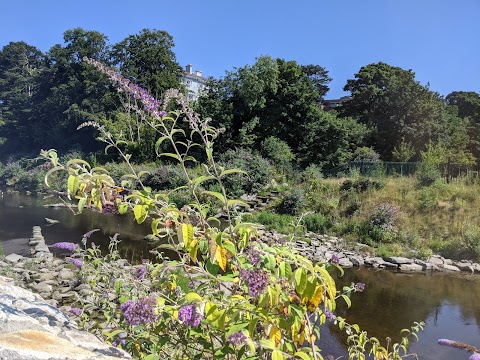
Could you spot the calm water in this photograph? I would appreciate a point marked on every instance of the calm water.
(19, 213)
(448, 304)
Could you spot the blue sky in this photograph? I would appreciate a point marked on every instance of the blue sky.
(438, 39)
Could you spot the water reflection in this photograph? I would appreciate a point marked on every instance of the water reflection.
(19, 213)
(448, 304)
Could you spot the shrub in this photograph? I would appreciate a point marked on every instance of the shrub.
(259, 171)
(316, 222)
(165, 177)
(292, 202)
(278, 152)
(361, 185)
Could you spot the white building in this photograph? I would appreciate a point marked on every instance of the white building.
(194, 82)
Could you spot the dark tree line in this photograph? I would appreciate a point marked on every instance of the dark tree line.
(273, 106)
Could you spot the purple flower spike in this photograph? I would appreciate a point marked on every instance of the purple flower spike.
(188, 315)
(65, 246)
(475, 356)
(360, 287)
(90, 233)
(446, 342)
(140, 312)
(330, 317)
(257, 281)
(334, 259)
(76, 311)
(237, 338)
(77, 262)
(141, 272)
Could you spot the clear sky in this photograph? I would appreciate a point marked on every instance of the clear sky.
(438, 39)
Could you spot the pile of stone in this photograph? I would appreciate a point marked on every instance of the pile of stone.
(31, 325)
(322, 248)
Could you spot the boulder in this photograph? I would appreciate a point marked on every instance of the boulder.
(32, 329)
(399, 260)
(450, 267)
(13, 258)
(410, 267)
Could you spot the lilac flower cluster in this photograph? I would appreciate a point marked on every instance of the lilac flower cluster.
(76, 311)
(253, 255)
(90, 233)
(384, 217)
(150, 104)
(257, 281)
(77, 262)
(334, 259)
(141, 272)
(237, 338)
(139, 312)
(121, 340)
(460, 345)
(330, 317)
(189, 315)
(69, 246)
(359, 287)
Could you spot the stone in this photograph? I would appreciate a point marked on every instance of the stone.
(66, 274)
(465, 266)
(410, 267)
(426, 265)
(345, 263)
(43, 287)
(374, 261)
(357, 260)
(32, 329)
(436, 260)
(390, 265)
(450, 267)
(399, 260)
(13, 258)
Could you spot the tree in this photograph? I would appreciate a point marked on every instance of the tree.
(21, 65)
(395, 106)
(319, 78)
(273, 97)
(148, 59)
(72, 93)
(467, 103)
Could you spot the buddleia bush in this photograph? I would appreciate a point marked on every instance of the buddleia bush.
(249, 297)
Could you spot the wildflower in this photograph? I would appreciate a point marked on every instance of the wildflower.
(90, 233)
(65, 246)
(139, 312)
(334, 259)
(188, 315)
(257, 281)
(121, 340)
(459, 345)
(77, 262)
(475, 356)
(141, 272)
(253, 255)
(330, 317)
(359, 287)
(76, 311)
(237, 338)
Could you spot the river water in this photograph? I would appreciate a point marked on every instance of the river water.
(449, 304)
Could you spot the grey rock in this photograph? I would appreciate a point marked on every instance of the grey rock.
(410, 267)
(43, 287)
(345, 263)
(389, 265)
(66, 274)
(399, 260)
(374, 261)
(436, 260)
(13, 258)
(426, 265)
(465, 266)
(357, 260)
(450, 267)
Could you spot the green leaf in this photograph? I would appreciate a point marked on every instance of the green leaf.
(302, 355)
(217, 195)
(232, 171)
(270, 262)
(300, 280)
(77, 161)
(122, 208)
(277, 355)
(185, 234)
(285, 270)
(51, 171)
(140, 212)
(175, 156)
(81, 204)
(72, 184)
(347, 300)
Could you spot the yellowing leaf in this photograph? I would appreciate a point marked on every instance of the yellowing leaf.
(275, 334)
(221, 257)
(73, 182)
(140, 212)
(328, 282)
(315, 300)
(186, 234)
(300, 280)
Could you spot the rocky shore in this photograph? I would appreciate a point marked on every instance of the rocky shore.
(37, 293)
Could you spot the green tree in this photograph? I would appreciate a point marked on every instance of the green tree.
(21, 65)
(319, 78)
(395, 106)
(273, 97)
(72, 93)
(147, 58)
